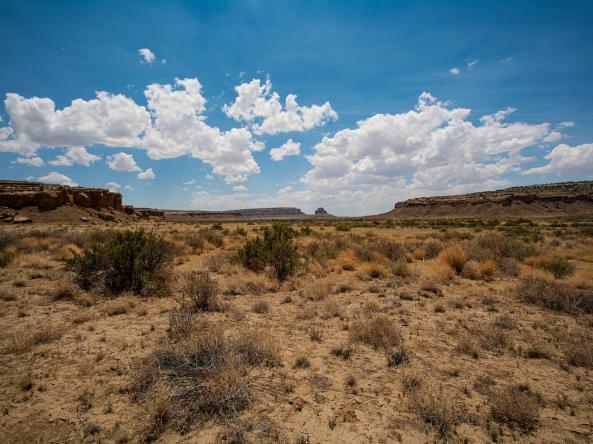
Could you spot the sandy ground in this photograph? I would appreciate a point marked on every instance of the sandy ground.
(72, 387)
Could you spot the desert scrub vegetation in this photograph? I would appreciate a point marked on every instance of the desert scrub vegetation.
(379, 332)
(454, 256)
(135, 261)
(441, 409)
(200, 292)
(559, 266)
(276, 250)
(204, 374)
(24, 338)
(554, 295)
(517, 406)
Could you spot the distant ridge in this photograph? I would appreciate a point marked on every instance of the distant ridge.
(563, 199)
(248, 213)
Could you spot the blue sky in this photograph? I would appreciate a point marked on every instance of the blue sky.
(382, 110)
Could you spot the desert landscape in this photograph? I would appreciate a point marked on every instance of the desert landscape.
(296, 222)
(134, 328)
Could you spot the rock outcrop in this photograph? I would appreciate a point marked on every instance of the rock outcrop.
(556, 199)
(46, 197)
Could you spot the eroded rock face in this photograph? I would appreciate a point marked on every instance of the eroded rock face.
(46, 197)
(320, 211)
(532, 200)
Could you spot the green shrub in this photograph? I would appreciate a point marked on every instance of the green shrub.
(559, 267)
(240, 231)
(343, 226)
(276, 250)
(128, 261)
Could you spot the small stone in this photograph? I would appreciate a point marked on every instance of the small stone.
(21, 220)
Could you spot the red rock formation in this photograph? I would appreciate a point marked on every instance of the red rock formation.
(45, 197)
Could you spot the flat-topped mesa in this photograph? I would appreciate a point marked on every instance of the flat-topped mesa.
(249, 213)
(547, 199)
(19, 194)
(556, 192)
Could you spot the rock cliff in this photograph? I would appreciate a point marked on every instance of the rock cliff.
(555, 199)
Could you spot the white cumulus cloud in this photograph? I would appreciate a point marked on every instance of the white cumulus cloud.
(74, 156)
(35, 161)
(261, 108)
(171, 125)
(113, 186)
(289, 148)
(147, 55)
(455, 71)
(147, 174)
(240, 189)
(565, 160)
(433, 147)
(55, 177)
(122, 162)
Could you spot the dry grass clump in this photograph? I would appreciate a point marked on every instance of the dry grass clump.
(219, 263)
(488, 337)
(441, 409)
(33, 244)
(578, 349)
(205, 373)
(200, 291)
(488, 269)
(331, 309)
(254, 347)
(261, 307)
(63, 290)
(158, 415)
(400, 268)
(250, 283)
(516, 406)
(471, 270)
(372, 270)
(69, 251)
(391, 250)
(454, 256)
(378, 332)
(506, 322)
(302, 362)
(213, 237)
(508, 266)
(342, 351)
(412, 378)
(557, 296)
(347, 260)
(196, 242)
(24, 338)
(317, 291)
(492, 337)
(428, 250)
(497, 246)
(398, 356)
(467, 344)
(118, 306)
